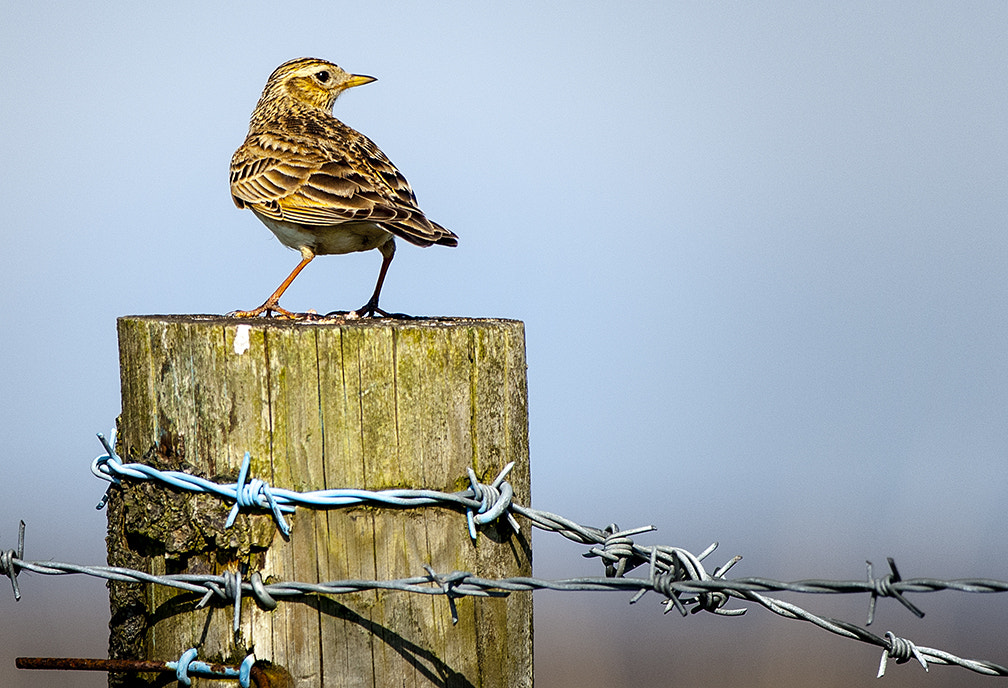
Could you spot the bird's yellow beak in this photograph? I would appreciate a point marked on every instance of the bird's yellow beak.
(358, 80)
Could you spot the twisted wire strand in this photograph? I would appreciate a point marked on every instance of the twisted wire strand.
(673, 572)
(705, 592)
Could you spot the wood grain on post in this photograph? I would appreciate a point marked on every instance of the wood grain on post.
(370, 404)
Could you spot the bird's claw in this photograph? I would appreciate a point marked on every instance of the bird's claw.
(368, 311)
(267, 310)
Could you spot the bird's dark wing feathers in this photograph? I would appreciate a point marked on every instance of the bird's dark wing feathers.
(328, 186)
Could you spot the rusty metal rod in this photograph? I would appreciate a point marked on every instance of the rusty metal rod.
(131, 666)
(263, 674)
(87, 664)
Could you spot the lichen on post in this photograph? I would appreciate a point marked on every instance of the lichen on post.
(371, 404)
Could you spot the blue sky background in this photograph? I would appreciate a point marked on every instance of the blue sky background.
(759, 249)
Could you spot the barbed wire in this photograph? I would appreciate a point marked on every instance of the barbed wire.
(482, 503)
(703, 592)
(673, 572)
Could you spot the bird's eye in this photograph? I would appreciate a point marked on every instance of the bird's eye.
(323, 76)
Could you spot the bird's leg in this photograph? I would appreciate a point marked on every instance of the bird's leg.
(370, 309)
(270, 306)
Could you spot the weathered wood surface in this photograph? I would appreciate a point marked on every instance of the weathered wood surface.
(372, 404)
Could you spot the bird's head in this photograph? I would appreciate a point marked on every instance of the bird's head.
(312, 82)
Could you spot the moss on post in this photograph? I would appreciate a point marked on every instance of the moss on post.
(371, 404)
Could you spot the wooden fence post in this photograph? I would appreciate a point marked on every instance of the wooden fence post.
(370, 404)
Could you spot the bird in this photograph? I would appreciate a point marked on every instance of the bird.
(319, 185)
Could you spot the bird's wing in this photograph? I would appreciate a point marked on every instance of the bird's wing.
(330, 185)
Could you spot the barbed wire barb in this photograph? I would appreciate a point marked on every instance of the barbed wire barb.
(253, 494)
(901, 650)
(617, 550)
(883, 587)
(110, 452)
(9, 559)
(495, 500)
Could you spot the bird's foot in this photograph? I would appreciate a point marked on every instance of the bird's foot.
(368, 310)
(267, 310)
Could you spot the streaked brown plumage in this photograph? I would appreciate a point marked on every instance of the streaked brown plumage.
(320, 186)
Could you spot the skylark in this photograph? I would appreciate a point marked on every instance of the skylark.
(320, 186)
